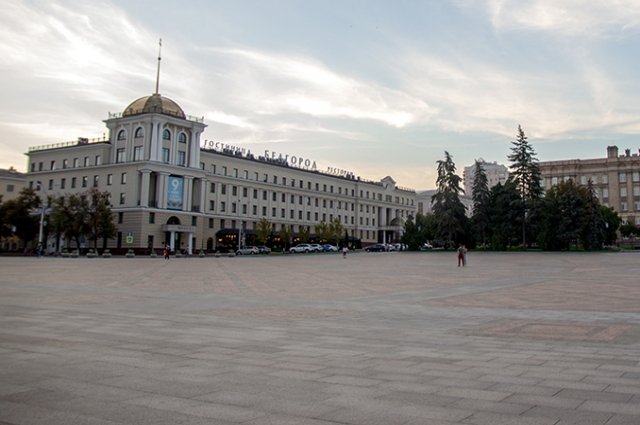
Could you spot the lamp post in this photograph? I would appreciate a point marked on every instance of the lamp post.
(41, 230)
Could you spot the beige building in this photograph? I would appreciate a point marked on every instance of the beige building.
(169, 187)
(11, 183)
(616, 179)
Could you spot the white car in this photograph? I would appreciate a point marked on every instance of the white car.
(316, 247)
(301, 247)
(248, 250)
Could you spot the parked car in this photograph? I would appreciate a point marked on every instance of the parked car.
(301, 247)
(263, 249)
(329, 248)
(248, 250)
(426, 246)
(316, 247)
(379, 247)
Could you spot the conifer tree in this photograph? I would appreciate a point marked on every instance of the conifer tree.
(447, 207)
(480, 195)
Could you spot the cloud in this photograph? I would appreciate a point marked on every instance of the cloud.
(595, 18)
(276, 84)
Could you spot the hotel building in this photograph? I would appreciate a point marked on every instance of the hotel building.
(169, 187)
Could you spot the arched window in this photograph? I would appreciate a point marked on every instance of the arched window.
(166, 135)
(182, 138)
(122, 135)
(139, 132)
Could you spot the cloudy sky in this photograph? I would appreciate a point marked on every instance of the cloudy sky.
(374, 87)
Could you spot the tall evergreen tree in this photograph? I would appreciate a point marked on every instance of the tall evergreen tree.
(447, 207)
(525, 173)
(480, 195)
(504, 210)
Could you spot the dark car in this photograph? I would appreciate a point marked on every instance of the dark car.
(263, 249)
(379, 247)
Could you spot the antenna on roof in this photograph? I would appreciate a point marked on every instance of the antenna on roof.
(158, 73)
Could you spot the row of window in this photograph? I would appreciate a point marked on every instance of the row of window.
(139, 133)
(602, 179)
(65, 163)
(84, 181)
(310, 185)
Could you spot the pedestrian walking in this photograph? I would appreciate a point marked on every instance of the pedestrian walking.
(461, 255)
(345, 249)
(166, 253)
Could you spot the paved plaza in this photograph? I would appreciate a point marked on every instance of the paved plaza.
(377, 338)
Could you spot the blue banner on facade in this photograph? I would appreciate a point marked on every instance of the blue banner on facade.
(174, 193)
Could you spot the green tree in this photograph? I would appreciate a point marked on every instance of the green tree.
(323, 232)
(99, 217)
(525, 173)
(629, 229)
(611, 224)
(263, 228)
(481, 196)
(447, 208)
(22, 216)
(304, 234)
(336, 231)
(285, 237)
(71, 214)
(504, 209)
(418, 230)
(593, 232)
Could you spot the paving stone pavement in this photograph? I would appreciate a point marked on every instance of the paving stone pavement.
(377, 338)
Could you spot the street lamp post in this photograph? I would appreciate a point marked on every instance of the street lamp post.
(41, 230)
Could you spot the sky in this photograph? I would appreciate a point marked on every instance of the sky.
(375, 87)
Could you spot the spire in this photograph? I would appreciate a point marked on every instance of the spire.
(158, 73)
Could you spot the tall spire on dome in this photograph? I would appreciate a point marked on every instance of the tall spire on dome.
(158, 73)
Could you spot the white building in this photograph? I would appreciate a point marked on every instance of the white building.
(496, 173)
(170, 187)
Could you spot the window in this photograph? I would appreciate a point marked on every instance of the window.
(213, 168)
(98, 160)
(166, 134)
(73, 182)
(152, 218)
(583, 180)
(635, 176)
(75, 162)
(275, 179)
(623, 192)
(122, 198)
(273, 212)
(235, 172)
(53, 165)
(636, 191)
(246, 174)
(181, 158)
(244, 192)
(137, 153)
(605, 179)
(165, 155)
(224, 170)
(622, 177)
(284, 181)
(86, 161)
(33, 166)
(244, 208)
(120, 217)
(202, 165)
(50, 184)
(605, 193)
(624, 206)
(109, 179)
(122, 135)
(636, 206)
(234, 190)
(120, 155)
(85, 180)
(212, 188)
(223, 189)
(254, 210)
(182, 138)
(255, 193)
(194, 220)
(123, 178)
(222, 224)
(212, 205)
(210, 223)
(233, 208)
(96, 179)
(264, 211)
(274, 196)
(139, 133)
(223, 206)
(264, 195)
(10, 187)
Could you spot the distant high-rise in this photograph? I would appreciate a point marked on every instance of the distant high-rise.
(496, 173)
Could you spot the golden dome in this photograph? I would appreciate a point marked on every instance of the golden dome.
(154, 104)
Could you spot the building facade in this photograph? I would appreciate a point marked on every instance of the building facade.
(11, 183)
(496, 173)
(615, 179)
(168, 187)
